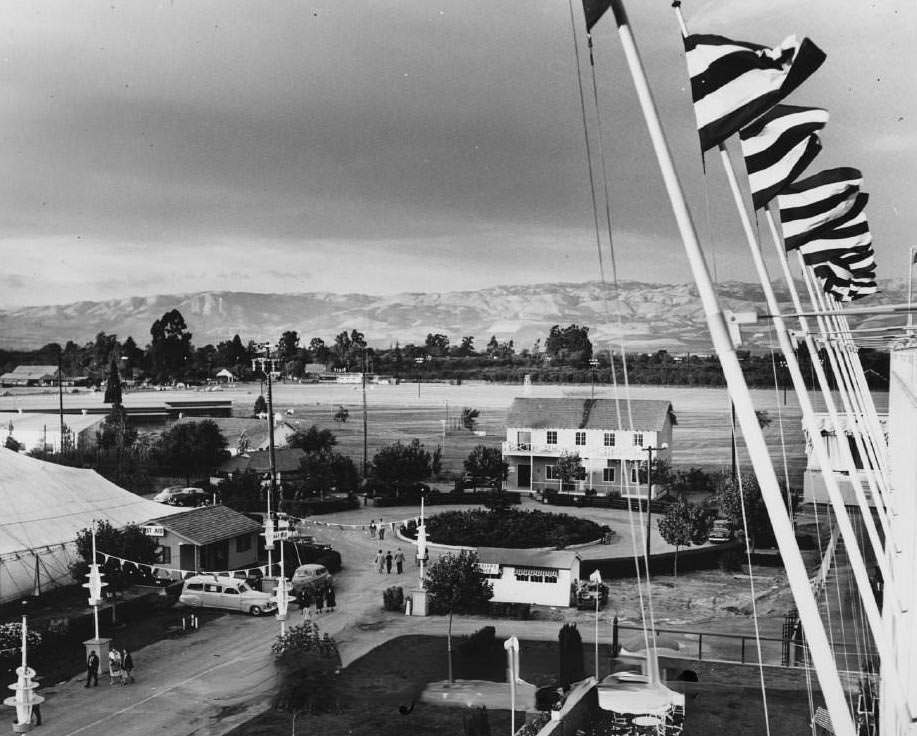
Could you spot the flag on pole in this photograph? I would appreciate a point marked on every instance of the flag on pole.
(848, 234)
(778, 147)
(595, 576)
(734, 82)
(593, 10)
(811, 204)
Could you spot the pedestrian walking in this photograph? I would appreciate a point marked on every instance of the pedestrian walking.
(320, 599)
(379, 562)
(388, 562)
(399, 561)
(92, 669)
(372, 528)
(331, 598)
(381, 532)
(114, 666)
(127, 667)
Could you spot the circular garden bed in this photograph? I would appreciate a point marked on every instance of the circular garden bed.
(512, 528)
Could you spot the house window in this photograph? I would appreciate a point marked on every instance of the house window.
(550, 472)
(608, 473)
(490, 570)
(164, 555)
(244, 544)
(638, 439)
(609, 439)
(581, 438)
(522, 577)
(552, 437)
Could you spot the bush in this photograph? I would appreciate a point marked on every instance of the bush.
(512, 528)
(480, 656)
(309, 663)
(393, 598)
(516, 611)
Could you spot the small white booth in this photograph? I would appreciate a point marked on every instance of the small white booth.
(539, 577)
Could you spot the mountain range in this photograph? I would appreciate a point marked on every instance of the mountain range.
(646, 316)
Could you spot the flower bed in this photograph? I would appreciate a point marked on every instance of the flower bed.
(512, 528)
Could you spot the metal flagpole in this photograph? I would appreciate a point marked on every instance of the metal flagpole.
(820, 375)
(822, 656)
(808, 416)
(910, 285)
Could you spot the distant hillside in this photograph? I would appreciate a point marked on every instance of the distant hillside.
(646, 316)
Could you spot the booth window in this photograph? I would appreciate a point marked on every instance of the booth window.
(164, 555)
(608, 474)
(244, 543)
(550, 472)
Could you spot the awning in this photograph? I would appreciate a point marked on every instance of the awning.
(545, 572)
(489, 568)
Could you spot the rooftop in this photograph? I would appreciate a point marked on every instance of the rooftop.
(560, 559)
(575, 413)
(208, 524)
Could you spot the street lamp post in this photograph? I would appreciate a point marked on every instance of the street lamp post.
(267, 365)
(649, 495)
(594, 363)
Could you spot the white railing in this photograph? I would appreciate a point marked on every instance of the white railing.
(623, 452)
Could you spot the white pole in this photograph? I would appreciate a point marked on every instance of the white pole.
(822, 378)
(808, 416)
(95, 607)
(910, 286)
(597, 590)
(822, 657)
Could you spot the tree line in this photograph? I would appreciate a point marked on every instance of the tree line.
(566, 355)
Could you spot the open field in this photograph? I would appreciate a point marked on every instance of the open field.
(409, 410)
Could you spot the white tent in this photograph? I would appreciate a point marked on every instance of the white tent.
(42, 508)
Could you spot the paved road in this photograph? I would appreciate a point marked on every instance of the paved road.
(210, 681)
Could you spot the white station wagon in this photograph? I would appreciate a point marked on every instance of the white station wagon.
(211, 591)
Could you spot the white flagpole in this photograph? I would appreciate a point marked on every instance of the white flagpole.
(808, 416)
(910, 286)
(822, 378)
(826, 670)
(852, 405)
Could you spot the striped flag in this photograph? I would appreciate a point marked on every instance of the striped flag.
(810, 205)
(778, 147)
(734, 82)
(593, 10)
(848, 234)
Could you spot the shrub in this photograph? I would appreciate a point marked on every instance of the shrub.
(309, 663)
(476, 723)
(512, 528)
(480, 656)
(393, 598)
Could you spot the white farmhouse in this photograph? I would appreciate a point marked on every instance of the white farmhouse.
(611, 438)
(539, 577)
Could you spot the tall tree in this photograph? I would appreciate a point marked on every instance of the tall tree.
(398, 465)
(313, 439)
(677, 527)
(569, 467)
(485, 462)
(569, 344)
(289, 343)
(457, 585)
(731, 497)
(470, 418)
(437, 345)
(113, 385)
(192, 447)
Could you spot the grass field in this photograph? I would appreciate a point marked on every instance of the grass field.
(406, 411)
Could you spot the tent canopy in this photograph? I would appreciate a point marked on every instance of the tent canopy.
(44, 508)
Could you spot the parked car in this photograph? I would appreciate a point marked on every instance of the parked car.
(586, 593)
(310, 576)
(212, 591)
(178, 496)
(721, 531)
(469, 481)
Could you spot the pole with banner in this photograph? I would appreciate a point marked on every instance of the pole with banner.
(596, 578)
(511, 646)
(281, 594)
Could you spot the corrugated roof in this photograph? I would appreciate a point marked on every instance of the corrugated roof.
(574, 413)
(208, 524)
(40, 370)
(561, 559)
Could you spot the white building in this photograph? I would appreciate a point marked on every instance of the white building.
(530, 576)
(42, 431)
(609, 436)
(813, 487)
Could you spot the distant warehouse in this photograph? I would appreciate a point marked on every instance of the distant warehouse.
(30, 375)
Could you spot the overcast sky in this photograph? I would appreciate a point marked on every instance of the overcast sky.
(389, 145)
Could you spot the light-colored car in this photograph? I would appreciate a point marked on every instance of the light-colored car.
(212, 591)
(166, 493)
(721, 531)
(310, 575)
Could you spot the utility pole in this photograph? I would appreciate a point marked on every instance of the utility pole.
(594, 363)
(363, 381)
(60, 396)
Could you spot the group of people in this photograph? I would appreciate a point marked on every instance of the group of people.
(377, 530)
(120, 667)
(314, 599)
(383, 561)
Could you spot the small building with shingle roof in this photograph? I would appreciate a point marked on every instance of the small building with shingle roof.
(207, 538)
(610, 437)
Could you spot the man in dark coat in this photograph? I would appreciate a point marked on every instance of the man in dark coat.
(388, 562)
(92, 669)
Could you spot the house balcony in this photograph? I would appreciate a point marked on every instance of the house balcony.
(579, 488)
(624, 452)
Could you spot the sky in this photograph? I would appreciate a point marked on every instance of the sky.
(381, 146)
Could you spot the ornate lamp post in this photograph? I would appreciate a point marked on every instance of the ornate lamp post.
(649, 494)
(281, 593)
(267, 365)
(97, 644)
(419, 596)
(511, 646)
(25, 697)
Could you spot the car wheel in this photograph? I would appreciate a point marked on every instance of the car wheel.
(255, 610)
